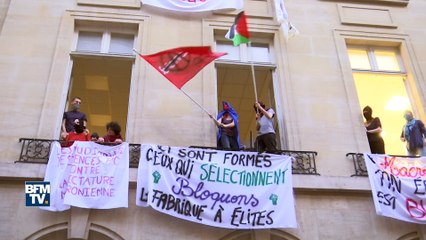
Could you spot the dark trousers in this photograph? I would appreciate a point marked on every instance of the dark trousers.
(228, 142)
(377, 146)
(266, 143)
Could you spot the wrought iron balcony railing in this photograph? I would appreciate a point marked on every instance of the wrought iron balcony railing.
(37, 151)
(304, 161)
(359, 164)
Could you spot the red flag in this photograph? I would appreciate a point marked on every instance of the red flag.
(179, 65)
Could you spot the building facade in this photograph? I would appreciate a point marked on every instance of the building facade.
(348, 54)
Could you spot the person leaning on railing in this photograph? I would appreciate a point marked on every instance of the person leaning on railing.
(79, 134)
(113, 134)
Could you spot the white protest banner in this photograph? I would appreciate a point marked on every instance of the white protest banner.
(240, 190)
(195, 5)
(398, 186)
(289, 30)
(88, 175)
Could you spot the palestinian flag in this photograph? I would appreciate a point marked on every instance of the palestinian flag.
(238, 32)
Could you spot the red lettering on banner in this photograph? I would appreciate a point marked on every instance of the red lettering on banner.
(415, 209)
(392, 165)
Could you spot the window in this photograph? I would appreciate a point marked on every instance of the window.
(380, 83)
(101, 73)
(105, 42)
(89, 42)
(256, 52)
(375, 59)
(235, 83)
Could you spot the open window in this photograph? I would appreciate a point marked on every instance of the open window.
(380, 81)
(235, 84)
(101, 73)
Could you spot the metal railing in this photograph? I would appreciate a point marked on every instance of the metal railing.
(38, 150)
(304, 161)
(359, 164)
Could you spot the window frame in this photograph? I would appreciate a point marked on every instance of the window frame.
(106, 29)
(244, 58)
(415, 81)
(373, 61)
(279, 124)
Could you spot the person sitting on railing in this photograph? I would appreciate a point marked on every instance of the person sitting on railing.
(69, 119)
(113, 134)
(228, 137)
(414, 133)
(79, 134)
(265, 140)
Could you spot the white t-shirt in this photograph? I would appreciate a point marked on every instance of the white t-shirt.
(266, 124)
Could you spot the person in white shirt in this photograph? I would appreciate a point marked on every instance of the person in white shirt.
(266, 139)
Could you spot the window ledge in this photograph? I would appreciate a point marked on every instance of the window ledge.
(114, 3)
(379, 72)
(97, 54)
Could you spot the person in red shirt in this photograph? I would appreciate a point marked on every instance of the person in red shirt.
(113, 134)
(79, 134)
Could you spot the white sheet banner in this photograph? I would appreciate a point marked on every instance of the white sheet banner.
(242, 190)
(88, 175)
(195, 5)
(398, 186)
(289, 30)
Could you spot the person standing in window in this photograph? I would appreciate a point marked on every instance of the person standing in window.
(266, 139)
(227, 121)
(113, 134)
(413, 134)
(374, 128)
(70, 118)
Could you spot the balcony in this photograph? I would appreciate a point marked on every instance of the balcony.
(359, 163)
(37, 151)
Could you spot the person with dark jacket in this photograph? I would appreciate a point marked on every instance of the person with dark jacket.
(413, 133)
(373, 127)
(71, 117)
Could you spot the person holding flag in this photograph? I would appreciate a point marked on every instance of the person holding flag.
(266, 140)
(228, 137)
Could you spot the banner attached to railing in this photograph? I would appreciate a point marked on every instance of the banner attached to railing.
(88, 175)
(398, 186)
(242, 190)
(195, 5)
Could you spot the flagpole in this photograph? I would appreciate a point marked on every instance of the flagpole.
(253, 75)
(207, 112)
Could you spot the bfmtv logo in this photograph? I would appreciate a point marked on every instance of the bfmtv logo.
(37, 194)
